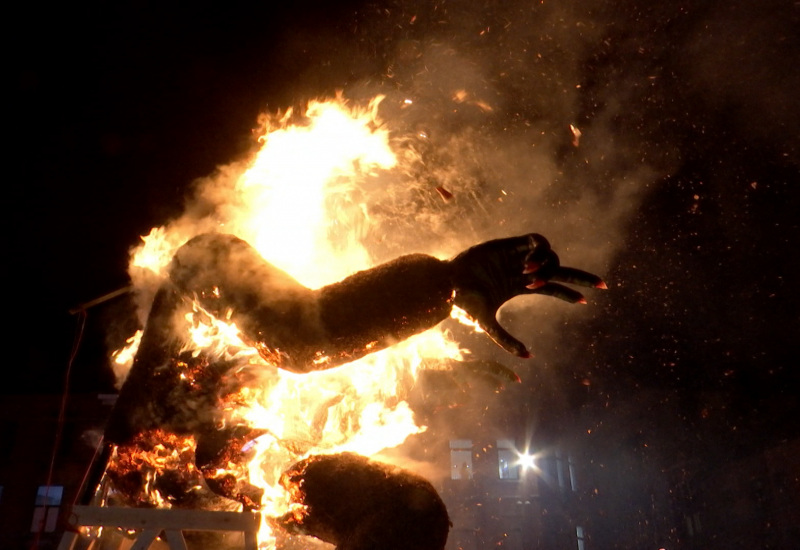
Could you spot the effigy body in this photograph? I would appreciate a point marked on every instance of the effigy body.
(358, 504)
(303, 330)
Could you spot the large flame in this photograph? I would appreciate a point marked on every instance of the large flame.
(300, 203)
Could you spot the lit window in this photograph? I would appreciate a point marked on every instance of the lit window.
(460, 459)
(580, 537)
(572, 477)
(45, 514)
(507, 460)
(561, 471)
(565, 472)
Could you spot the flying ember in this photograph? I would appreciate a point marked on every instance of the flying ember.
(277, 350)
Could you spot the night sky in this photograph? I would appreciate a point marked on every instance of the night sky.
(116, 111)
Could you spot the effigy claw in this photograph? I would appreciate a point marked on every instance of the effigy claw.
(504, 339)
(488, 275)
(537, 283)
(562, 293)
(578, 277)
(530, 267)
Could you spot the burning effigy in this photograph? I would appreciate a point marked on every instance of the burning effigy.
(264, 377)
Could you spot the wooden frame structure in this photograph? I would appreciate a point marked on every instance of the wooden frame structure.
(150, 523)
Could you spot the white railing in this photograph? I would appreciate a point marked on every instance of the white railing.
(148, 524)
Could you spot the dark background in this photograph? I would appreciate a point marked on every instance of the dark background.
(115, 110)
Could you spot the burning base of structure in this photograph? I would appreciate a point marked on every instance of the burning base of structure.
(343, 499)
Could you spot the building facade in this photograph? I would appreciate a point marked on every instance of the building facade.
(44, 455)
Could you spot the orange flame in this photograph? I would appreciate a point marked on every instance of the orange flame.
(301, 203)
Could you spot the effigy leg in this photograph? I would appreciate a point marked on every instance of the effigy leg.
(358, 504)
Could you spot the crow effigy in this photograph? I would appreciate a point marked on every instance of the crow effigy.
(303, 330)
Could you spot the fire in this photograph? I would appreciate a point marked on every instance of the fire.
(301, 188)
(303, 202)
(464, 318)
(140, 468)
(122, 359)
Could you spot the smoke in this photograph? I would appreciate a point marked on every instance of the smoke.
(534, 118)
(500, 131)
(530, 116)
(554, 117)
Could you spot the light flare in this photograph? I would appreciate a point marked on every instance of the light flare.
(528, 460)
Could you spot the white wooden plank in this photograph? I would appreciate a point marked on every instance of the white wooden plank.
(175, 540)
(181, 520)
(145, 539)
